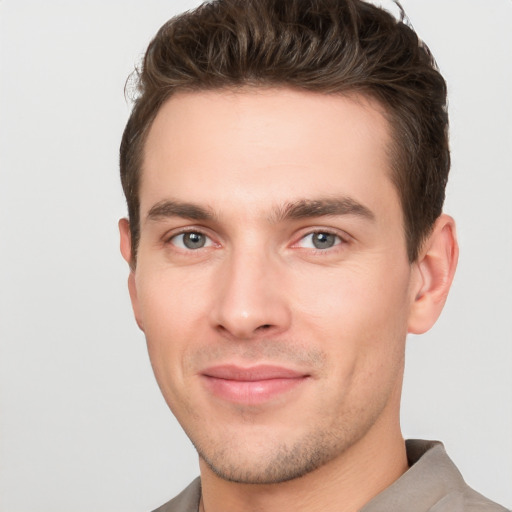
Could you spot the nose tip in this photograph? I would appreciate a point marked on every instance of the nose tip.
(246, 325)
(250, 303)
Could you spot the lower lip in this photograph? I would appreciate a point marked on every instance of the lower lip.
(251, 392)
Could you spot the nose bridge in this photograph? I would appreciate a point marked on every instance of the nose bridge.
(249, 301)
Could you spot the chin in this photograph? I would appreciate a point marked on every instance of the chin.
(271, 464)
(281, 469)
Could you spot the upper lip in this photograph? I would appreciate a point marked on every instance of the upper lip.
(252, 373)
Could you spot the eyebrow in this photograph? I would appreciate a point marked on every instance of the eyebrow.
(306, 208)
(296, 210)
(168, 208)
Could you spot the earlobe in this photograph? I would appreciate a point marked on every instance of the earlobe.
(435, 269)
(126, 251)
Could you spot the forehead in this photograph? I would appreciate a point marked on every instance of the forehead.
(261, 146)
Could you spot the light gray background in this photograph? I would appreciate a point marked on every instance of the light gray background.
(82, 425)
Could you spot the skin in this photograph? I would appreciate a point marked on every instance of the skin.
(240, 171)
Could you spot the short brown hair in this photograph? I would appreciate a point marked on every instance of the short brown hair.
(325, 46)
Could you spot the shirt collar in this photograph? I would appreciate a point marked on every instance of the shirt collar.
(430, 478)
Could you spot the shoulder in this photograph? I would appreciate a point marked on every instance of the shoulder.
(432, 484)
(455, 495)
(467, 500)
(186, 501)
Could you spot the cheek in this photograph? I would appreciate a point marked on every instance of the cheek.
(171, 309)
(169, 301)
(354, 297)
(362, 326)
(360, 318)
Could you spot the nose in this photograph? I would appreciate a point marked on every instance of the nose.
(251, 299)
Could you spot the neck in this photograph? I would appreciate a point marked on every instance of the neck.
(345, 484)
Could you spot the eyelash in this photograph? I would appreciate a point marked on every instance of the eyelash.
(341, 240)
(174, 236)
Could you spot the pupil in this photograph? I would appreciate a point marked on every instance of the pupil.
(194, 240)
(323, 240)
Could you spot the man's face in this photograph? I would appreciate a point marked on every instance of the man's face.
(272, 280)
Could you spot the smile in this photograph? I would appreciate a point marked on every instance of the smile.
(251, 386)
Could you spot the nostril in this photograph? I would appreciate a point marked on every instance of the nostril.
(264, 327)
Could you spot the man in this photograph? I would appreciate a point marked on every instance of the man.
(284, 167)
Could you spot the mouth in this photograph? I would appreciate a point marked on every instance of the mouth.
(253, 385)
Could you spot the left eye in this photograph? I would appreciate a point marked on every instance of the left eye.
(319, 240)
(191, 240)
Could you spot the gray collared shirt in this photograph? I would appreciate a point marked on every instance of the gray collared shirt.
(432, 484)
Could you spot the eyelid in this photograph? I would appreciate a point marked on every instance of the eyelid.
(173, 234)
(344, 238)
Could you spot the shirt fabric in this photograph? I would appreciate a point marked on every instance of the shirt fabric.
(432, 484)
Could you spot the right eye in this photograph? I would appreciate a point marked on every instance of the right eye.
(191, 240)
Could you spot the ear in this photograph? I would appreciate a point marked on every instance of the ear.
(434, 270)
(126, 251)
